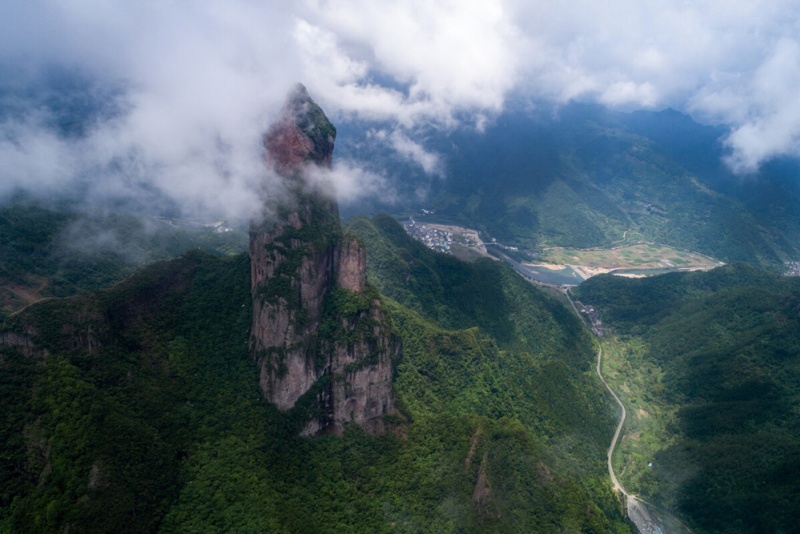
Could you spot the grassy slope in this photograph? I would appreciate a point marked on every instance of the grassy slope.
(712, 358)
(160, 426)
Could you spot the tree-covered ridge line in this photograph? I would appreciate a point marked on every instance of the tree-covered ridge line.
(710, 361)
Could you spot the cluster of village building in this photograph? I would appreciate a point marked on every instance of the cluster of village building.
(432, 238)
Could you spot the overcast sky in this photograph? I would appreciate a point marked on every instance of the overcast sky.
(200, 79)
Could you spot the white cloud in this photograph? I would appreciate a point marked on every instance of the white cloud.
(716, 59)
(352, 181)
(450, 55)
(622, 93)
(768, 110)
(200, 81)
(413, 151)
(200, 86)
(31, 156)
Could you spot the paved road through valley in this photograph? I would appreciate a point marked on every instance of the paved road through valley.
(617, 485)
(646, 519)
(638, 511)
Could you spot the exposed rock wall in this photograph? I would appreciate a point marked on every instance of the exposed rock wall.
(351, 272)
(319, 335)
(23, 343)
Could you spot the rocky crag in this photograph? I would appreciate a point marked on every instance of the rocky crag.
(320, 337)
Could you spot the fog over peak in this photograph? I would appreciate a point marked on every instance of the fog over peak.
(182, 91)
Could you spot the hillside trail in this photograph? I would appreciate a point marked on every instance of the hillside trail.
(621, 424)
(25, 294)
(637, 511)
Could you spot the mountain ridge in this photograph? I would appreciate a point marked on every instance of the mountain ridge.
(584, 176)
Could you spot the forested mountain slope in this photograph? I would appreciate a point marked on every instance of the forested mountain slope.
(137, 408)
(538, 344)
(726, 347)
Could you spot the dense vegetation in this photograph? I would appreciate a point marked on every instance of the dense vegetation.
(457, 294)
(536, 343)
(139, 410)
(55, 251)
(725, 350)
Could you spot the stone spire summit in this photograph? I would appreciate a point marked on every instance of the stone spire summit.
(319, 335)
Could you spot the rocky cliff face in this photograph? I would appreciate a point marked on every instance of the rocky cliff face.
(319, 336)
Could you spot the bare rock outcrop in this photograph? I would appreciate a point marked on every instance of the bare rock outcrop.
(482, 494)
(351, 273)
(322, 342)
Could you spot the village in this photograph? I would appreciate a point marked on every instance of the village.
(792, 268)
(432, 238)
(443, 238)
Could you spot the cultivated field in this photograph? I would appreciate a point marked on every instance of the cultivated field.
(644, 257)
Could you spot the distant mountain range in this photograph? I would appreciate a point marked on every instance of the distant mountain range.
(584, 176)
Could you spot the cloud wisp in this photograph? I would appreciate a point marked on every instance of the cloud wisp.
(196, 84)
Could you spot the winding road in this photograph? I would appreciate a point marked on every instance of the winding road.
(640, 512)
(617, 485)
